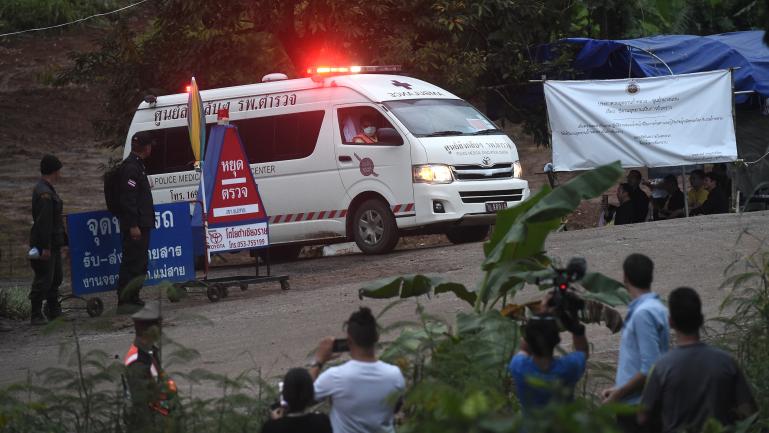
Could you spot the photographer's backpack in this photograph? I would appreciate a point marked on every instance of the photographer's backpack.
(112, 188)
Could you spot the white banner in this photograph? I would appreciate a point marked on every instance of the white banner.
(642, 122)
(238, 237)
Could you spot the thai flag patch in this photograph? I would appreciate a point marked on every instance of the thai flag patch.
(131, 183)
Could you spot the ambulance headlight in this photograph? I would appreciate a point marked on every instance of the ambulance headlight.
(517, 170)
(432, 173)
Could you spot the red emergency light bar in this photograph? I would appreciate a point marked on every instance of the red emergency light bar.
(341, 70)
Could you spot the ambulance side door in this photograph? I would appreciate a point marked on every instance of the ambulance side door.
(383, 167)
(291, 155)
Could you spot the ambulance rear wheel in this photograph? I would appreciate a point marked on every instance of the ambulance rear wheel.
(463, 235)
(374, 228)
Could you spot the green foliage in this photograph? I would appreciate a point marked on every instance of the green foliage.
(14, 302)
(81, 397)
(85, 395)
(23, 14)
(414, 285)
(484, 50)
(746, 319)
(515, 250)
(460, 382)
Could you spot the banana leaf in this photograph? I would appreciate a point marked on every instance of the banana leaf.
(409, 286)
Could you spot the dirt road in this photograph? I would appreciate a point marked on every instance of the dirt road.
(274, 330)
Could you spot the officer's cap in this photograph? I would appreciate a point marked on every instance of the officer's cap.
(49, 164)
(142, 138)
(149, 313)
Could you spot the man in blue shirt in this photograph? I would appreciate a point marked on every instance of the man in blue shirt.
(645, 337)
(539, 376)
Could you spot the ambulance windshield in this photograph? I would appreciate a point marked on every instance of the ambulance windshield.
(441, 117)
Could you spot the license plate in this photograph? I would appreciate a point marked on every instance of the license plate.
(494, 206)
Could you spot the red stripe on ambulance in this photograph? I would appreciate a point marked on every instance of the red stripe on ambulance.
(330, 214)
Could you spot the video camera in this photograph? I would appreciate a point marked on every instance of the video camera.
(564, 300)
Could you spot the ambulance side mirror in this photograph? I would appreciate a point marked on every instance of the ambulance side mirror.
(388, 137)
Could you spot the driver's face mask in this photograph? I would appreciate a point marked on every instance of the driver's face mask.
(369, 130)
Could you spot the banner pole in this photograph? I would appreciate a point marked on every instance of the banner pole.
(735, 199)
(204, 216)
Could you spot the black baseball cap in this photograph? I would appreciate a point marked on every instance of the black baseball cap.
(142, 138)
(49, 164)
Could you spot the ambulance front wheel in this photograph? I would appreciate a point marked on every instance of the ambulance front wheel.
(374, 227)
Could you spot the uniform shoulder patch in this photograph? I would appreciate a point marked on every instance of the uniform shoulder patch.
(45, 195)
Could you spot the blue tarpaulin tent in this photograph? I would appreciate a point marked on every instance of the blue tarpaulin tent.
(602, 59)
(681, 54)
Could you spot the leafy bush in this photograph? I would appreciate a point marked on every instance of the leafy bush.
(23, 14)
(460, 382)
(86, 395)
(14, 302)
(746, 319)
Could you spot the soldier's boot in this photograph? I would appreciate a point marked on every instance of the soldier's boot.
(52, 308)
(127, 308)
(37, 313)
(137, 300)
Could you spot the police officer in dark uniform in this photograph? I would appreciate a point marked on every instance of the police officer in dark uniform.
(137, 218)
(46, 239)
(150, 394)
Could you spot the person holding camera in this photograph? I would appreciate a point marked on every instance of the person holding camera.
(364, 391)
(536, 361)
(682, 398)
(645, 337)
(297, 395)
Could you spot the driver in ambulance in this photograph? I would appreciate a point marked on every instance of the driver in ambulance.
(368, 128)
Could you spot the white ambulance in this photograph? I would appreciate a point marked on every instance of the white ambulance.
(437, 164)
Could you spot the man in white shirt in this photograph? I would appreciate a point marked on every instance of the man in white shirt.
(364, 391)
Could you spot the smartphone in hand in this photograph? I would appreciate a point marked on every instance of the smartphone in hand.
(340, 345)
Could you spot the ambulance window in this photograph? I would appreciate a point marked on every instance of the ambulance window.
(281, 138)
(258, 137)
(351, 122)
(171, 152)
(297, 134)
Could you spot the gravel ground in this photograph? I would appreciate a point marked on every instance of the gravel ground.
(274, 330)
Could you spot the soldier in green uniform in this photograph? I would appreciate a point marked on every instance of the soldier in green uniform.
(150, 393)
(46, 239)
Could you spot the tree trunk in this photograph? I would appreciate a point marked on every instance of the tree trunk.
(286, 33)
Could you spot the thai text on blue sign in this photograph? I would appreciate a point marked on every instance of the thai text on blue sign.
(96, 248)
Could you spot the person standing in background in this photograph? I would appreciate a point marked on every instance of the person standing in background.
(46, 239)
(137, 218)
(645, 337)
(681, 398)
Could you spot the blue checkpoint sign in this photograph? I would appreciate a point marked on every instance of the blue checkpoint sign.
(95, 249)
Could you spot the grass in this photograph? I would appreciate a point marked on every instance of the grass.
(14, 302)
(745, 320)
